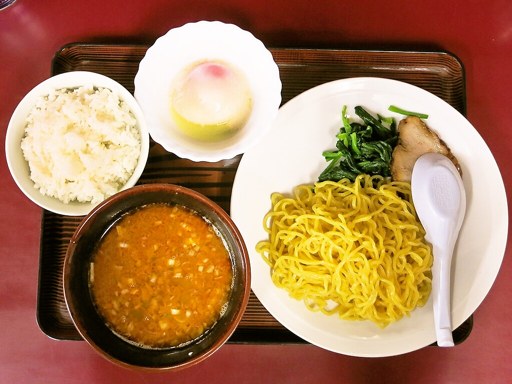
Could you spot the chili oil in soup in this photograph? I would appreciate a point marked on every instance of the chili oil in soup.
(161, 276)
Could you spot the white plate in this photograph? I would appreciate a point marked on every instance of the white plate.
(193, 43)
(292, 155)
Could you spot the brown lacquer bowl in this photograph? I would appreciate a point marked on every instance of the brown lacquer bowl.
(80, 302)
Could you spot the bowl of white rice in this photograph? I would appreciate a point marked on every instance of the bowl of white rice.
(74, 140)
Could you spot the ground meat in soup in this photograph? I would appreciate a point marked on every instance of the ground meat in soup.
(161, 276)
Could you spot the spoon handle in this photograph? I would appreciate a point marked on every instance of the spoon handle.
(441, 291)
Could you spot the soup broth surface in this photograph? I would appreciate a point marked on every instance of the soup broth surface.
(161, 276)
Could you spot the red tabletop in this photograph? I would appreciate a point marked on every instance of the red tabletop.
(478, 33)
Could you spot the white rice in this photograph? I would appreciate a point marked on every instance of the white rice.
(81, 144)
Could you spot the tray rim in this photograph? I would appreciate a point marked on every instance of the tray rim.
(276, 49)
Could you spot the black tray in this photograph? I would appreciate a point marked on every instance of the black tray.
(438, 72)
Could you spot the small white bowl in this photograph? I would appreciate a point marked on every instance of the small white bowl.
(16, 162)
(198, 42)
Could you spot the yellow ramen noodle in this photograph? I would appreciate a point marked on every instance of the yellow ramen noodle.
(352, 248)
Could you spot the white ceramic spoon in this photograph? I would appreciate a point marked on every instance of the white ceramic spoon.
(440, 201)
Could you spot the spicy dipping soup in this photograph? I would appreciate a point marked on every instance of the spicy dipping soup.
(161, 276)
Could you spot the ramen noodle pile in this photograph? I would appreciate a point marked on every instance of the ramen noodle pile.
(352, 248)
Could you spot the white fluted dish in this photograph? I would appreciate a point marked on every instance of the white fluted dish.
(198, 42)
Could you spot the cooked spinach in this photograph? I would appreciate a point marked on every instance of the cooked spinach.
(361, 147)
(394, 108)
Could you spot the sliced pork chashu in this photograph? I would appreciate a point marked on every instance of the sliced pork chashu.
(415, 138)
